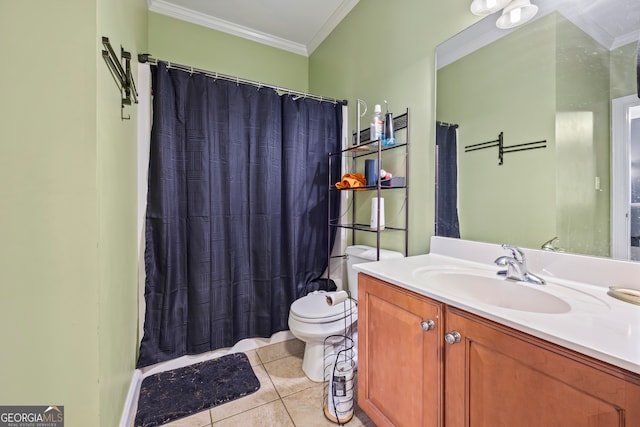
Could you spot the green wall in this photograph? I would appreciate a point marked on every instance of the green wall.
(582, 141)
(67, 264)
(189, 44)
(49, 226)
(623, 74)
(386, 50)
(125, 23)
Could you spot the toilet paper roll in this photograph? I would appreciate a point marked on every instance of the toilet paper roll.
(340, 393)
(375, 223)
(337, 297)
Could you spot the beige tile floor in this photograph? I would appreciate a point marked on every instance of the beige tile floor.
(286, 397)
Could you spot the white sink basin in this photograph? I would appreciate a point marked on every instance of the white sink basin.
(487, 288)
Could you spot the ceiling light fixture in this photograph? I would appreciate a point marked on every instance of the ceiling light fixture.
(487, 7)
(515, 12)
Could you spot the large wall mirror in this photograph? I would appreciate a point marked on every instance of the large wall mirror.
(560, 95)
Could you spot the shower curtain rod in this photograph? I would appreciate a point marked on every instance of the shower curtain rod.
(145, 58)
(447, 124)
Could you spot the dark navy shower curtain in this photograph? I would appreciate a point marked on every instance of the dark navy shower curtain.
(236, 223)
(447, 224)
(638, 69)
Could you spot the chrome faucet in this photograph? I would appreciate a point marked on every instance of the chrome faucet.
(550, 245)
(517, 266)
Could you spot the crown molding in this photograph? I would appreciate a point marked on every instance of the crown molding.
(331, 24)
(476, 36)
(165, 8)
(625, 39)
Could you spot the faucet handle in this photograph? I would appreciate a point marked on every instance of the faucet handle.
(516, 252)
(550, 245)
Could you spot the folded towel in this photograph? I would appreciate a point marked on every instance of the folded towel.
(351, 180)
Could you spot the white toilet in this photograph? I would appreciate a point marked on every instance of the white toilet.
(312, 320)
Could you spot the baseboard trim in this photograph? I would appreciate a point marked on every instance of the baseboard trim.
(131, 404)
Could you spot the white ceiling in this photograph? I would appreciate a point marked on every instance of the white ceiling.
(298, 26)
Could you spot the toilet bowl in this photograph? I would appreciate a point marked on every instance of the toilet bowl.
(312, 320)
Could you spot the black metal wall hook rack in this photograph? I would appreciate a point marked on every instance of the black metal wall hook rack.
(121, 75)
(502, 149)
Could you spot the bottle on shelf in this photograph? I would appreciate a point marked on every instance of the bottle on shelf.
(375, 131)
(388, 138)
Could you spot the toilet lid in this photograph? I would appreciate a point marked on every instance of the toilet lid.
(314, 306)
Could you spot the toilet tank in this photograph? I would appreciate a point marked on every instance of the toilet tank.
(361, 253)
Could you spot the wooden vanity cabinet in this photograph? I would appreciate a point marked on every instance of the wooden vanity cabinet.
(399, 356)
(472, 372)
(496, 376)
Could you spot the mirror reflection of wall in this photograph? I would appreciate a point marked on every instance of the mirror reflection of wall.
(548, 80)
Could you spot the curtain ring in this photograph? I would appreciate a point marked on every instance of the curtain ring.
(191, 72)
(238, 81)
(168, 65)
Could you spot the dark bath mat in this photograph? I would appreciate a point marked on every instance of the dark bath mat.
(168, 396)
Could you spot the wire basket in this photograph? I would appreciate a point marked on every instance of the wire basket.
(339, 379)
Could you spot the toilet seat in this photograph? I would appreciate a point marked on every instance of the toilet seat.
(313, 308)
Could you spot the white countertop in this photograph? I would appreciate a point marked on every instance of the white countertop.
(597, 324)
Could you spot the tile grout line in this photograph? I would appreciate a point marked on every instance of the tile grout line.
(288, 413)
(280, 397)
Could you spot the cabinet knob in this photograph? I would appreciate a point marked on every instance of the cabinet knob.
(427, 325)
(452, 337)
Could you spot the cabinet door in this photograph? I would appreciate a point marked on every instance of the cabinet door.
(496, 376)
(400, 363)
